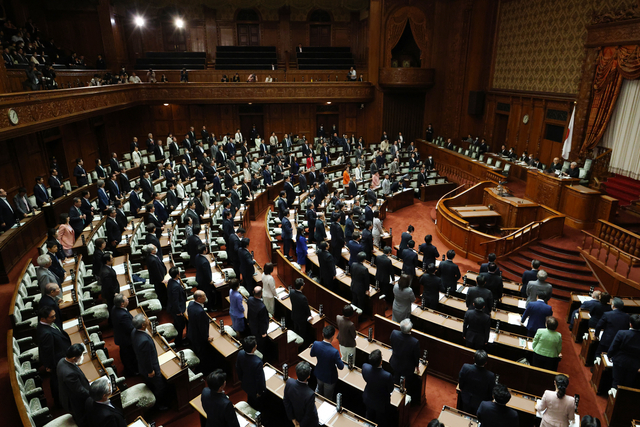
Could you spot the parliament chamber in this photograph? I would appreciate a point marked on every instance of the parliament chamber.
(325, 212)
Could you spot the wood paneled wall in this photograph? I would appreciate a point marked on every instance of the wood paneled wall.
(529, 136)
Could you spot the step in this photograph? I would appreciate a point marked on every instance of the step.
(626, 180)
(524, 259)
(540, 252)
(558, 291)
(582, 274)
(622, 187)
(548, 244)
(514, 272)
(624, 198)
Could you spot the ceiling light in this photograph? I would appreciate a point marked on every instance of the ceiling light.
(166, 105)
(328, 102)
(179, 23)
(139, 20)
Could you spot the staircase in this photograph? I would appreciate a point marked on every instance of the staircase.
(622, 188)
(568, 272)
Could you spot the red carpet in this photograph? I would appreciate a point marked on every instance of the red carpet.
(622, 188)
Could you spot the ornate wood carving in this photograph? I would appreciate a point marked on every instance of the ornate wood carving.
(614, 33)
(407, 77)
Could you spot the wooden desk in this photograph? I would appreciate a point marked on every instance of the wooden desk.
(400, 199)
(546, 189)
(62, 204)
(602, 376)
(623, 409)
(88, 233)
(523, 403)
(436, 191)
(580, 326)
(509, 321)
(579, 204)
(243, 420)
(515, 211)
(451, 417)
(509, 286)
(588, 348)
(15, 243)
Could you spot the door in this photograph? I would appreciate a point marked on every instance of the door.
(175, 39)
(246, 125)
(327, 121)
(320, 35)
(248, 35)
(499, 132)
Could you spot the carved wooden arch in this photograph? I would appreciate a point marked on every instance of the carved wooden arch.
(328, 12)
(238, 10)
(395, 26)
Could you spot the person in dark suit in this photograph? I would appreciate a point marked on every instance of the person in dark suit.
(480, 291)
(73, 384)
(496, 413)
(258, 318)
(476, 326)
(491, 258)
(299, 398)
(103, 197)
(475, 382)
(86, 207)
(100, 171)
(429, 252)
(337, 237)
(204, 278)
(246, 263)
(151, 239)
(493, 282)
(404, 239)
(157, 271)
(384, 273)
(114, 187)
(53, 248)
(431, 287)
(147, 356)
(449, 272)
(287, 233)
(537, 313)
(57, 187)
(355, 247)
(410, 259)
(533, 287)
(198, 329)
(176, 303)
(597, 311)
(114, 234)
(40, 191)
(327, 264)
(377, 392)
(100, 246)
(147, 187)
(625, 353)
(121, 320)
(80, 173)
(319, 229)
(359, 282)
(102, 412)
(53, 344)
(50, 299)
(77, 219)
(405, 356)
(529, 276)
(353, 189)
(219, 409)
(251, 373)
(328, 361)
(152, 218)
(108, 281)
(610, 323)
(300, 312)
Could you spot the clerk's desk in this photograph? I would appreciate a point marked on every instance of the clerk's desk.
(523, 403)
(547, 188)
(243, 420)
(276, 384)
(352, 384)
(451, 417)
(516, 212)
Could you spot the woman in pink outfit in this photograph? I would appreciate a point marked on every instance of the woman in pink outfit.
(309, 161)
(375, 180)
(66, 235)
(559, 409)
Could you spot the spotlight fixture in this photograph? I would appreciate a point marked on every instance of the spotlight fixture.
(179, 23)
(139, 20)
(166, 105)
(329, 102)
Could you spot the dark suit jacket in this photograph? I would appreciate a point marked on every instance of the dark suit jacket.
(73, 388)
(47, 301)
(85, 208)
(115, 165)
(384, 269)
(431, 288)
(377, 392)
(476, 385)
(122, 323)
(114, 189)
(537, 313)
(103, 415)
(404, 239)
(528, 276)
(354, 249)
(147, 189)
(319, 231)
(484, 293)
(429, 254)
(157, 270)
(367, 242)
(52, 345)
(625, 350)
(54, 184)
(152, 239)
(596, 312)
(491, 414)
(146, 353)
(109, 284)
(56, 267)
(41, 195)
(299, 403)
(410, 262)
(78, 171)
(203, 272)
(611, 322)
(219, 409)
(198, 326)
(176, 298)
(327, 268)
(450, 274)
(300, 311)
(405, 355)
(113, 231)
(328, 359)
(258, 317)
(476, 327)
(493, 282)
(484, 268)
(359, 283)
(250, 373)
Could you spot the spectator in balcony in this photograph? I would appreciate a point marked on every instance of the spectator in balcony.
(236, 78)
(269, 79)
(100, 63)
(34, 77)
(163, 79)
(353, 76)
(252, 78)
(8, 59)
(134, 78)
(299, 48)
(151, 76)
(96, 80)
(184, 76)
(224, 79)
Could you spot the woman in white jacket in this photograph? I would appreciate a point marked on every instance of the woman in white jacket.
(377, 229)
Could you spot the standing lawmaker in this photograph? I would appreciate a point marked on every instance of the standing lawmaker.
(328, 359)
(377, 392)
(299, 399)
(476, 382)
(74, 387)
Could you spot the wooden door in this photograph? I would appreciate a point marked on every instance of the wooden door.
(248, 35)
(175, 39)
(320, 35)
(246, 125)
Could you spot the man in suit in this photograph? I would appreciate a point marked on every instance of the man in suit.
(176, 303)
(431, 287)
(73, 384)
(405, 356)
(300, 312)
(103, 197)
(529, 276)
(258, 318)
(160, 209)
(320, 234)
(113, 187)
(86, 207)
(359, 281)
(430, 164)
(449, 145)
(540, 284)
(491, 258)
(410, 259)
(299, 398)
(80, 173)
(114, 163)
(100, 171)
(204, 279)
(328, 359)
(625, 353)
(493, 281)
(53, 247)
(184, 170)
(40, 191)
(57, 187)
(77, 219)
(50, 299)
(327, 264)
(44, 274)
(103, 413)
(610, 323)
(198, 329)
(7, 214)
(476, 326)
(475, 382)
(157, 271)
(384, 273)
(449, 272)
(378, 389)
(251, 373)
(496, 413)
(367, 239)
(152, 218)
(21, 202)
(480, 291)
(108, 280)
(147, 356)
(53, 344)
(287, 233)
(121, 320)
(355, 247)
(429, 251)
(537, 313)
(404, 239)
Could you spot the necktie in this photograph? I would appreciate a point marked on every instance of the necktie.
(54, 326)
(26, 204)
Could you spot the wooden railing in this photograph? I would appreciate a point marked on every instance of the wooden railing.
(591, 243)
(600, 166)
(619, 237)
(457, 175)
(514, 241)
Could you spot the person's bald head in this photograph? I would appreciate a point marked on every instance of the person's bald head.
(52, 289)
(199, 296)
(257, 292)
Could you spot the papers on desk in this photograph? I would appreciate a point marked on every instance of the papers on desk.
(67, 298)
(584, 298)
(522, 303)
(345, 250)
(514, 319)
(120, 269)
(385, 235)
(125, 288)
(296, 265)
(600, 335)
(165, 357)
(463, 289)
(67, 288)
(522, 342)
(272, 327)
(492, 337)
(530, 345)
(268, 372)
(339, 272)
(67, 279)
(538, 413)
(326, 411)
(281, 292)
(165, 259)
(442, 296)
(314, 314)
(437, 263)
(607, 361)
(69, 324)
(242, 421)
(413, 306)
(216, 275)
